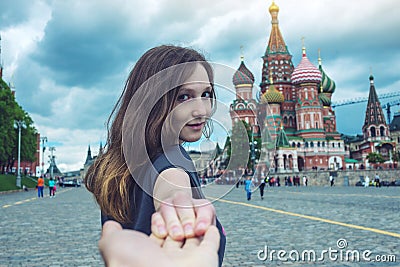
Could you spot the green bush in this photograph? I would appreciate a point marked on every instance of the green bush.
(8, 182)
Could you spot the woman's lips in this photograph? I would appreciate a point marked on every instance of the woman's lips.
(196, 126)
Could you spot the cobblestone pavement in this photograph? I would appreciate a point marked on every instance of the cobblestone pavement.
(60, 231)
(308, 218)
(64, 231)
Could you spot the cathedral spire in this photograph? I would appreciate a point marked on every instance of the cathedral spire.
(276, 43)
(89, 156)
(374, 118)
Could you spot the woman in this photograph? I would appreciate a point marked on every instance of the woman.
(168, 100)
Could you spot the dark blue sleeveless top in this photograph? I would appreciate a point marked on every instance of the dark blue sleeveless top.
(141, 200)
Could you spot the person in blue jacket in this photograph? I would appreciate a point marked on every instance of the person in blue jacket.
(248, 186)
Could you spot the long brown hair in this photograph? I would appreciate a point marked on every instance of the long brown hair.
(109, 178)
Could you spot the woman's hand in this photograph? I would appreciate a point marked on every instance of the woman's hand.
(181, 216)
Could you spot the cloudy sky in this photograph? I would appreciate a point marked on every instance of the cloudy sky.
(68, 60)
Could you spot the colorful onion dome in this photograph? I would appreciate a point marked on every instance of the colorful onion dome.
(273, 96)
(324, 99)
(263, 100)
(273, 8)
(306, 72)
(328, 85)
(243, 76)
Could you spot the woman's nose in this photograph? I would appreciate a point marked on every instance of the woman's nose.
(201, 107)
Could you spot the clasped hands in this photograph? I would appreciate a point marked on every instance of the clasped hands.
(183, 234)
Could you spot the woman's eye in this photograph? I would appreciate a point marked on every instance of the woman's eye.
(183, 97)
(206, 95)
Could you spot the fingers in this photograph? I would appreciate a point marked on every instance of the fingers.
(192, 242)
(185, 210)
(110, 227)
(179, 216)
(157, 240)
(170, 243)
(211, 239)
(205, 216)
(158, 227)
(182, 217)
(171, 219)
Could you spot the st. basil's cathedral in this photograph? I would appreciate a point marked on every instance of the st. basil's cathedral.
(293, 109)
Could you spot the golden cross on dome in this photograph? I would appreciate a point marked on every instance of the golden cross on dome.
(241, 53)
(319, 57)
(303, 46)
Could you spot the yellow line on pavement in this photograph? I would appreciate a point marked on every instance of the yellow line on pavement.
(31, 199)
(310, 217)
(333, 194)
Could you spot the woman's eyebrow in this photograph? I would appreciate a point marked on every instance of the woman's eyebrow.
(192, 89)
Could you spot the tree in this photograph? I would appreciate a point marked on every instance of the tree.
(239, 146)
(10, 112)
(374, 157)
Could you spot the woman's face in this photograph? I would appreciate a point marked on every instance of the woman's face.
(193, 106)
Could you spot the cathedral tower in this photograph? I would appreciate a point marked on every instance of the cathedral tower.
(244, 106)
(375, 127)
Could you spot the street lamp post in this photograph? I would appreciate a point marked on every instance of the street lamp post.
(19, 124)
(51, 149)
(252, 150)
(43, 139)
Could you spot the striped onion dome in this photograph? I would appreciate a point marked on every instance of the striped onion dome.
(306, 72)
(328, 85)
(243, 76)
(324, 99)
(273, 96)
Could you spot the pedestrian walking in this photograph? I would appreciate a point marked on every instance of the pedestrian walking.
(52, 184)
(331, 180)
(40, 186)
(168, 100)
(248, 186)
(377, 180)
(261, 187)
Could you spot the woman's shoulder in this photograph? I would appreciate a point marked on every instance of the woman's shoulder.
(173, 157)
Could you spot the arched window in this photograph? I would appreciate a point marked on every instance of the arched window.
(306, 144)
(382, 130)
(373, 132)
(312, 144)
(323, 144)
(319, 144)
(298, 144)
